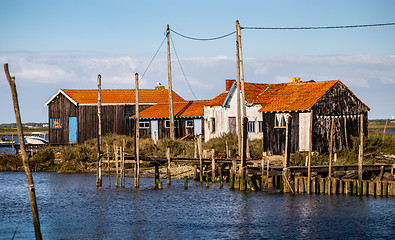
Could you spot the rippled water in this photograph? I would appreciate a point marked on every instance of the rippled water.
(71, 207)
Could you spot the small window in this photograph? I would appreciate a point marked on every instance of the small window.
(167, 124)
(260, 126)
(212, 124)
(251, 126)
(280, 120)
(144, 125)
(189, 124)
(55, 123)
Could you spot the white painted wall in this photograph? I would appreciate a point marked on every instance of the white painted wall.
(221, 115)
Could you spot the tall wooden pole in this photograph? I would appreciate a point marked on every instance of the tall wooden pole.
(168, 166)
(25, 159)
(331, 150)
(310, 149)
(200, 158)
(137, 170)
(360, 155)
(244, 121)
(171, 114)
(238, 110)
(99, 153)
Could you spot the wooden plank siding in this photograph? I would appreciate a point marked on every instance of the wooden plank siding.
(61, 108)
(115, 119)
(339, 102)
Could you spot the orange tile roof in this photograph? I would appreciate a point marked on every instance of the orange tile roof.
(180, 109)
(87, 96)
(218, 100)
(293, 96)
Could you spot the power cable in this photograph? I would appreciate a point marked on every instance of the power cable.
(182, 70)
(203, 39)
(153, 59)
(315, 28)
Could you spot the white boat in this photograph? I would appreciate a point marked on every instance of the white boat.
(36, 138)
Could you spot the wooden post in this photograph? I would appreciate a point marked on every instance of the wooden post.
(99, 153)
(108, 166)
(331, 149)
(221, 183)
(137, 130)
(200, 158)
(207, 181)
(372, 189)
(196, 149)
(227, 149)
(185, 182)
(287, 152)
(238, 108)
(243, 168)
(310, 149)
(195, 176)
(262, 170)
(171, 114)
(12, 143)
(123, 164)
(168, 167)
(360, 155)
(213, 165)
(116, 165)
(25, 159)
(385, 127)
(267, 172)
(345, 131)
(157, 177)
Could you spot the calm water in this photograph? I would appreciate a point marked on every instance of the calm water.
(71, 207)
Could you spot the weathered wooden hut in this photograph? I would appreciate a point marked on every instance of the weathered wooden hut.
(269, 106)
(72, 113)
(296, 101)
(188, 119)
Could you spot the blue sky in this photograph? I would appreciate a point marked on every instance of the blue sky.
(65, 44)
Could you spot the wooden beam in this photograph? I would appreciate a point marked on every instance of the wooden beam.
(137, 130)
(171, 113)
(99, 153)
(25, 159)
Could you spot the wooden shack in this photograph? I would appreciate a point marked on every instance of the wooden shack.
(188, 119)
(72, 113)
(292, 103)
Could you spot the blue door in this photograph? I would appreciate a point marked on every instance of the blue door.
(72, 129)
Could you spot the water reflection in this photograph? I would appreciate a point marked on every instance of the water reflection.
(71, 207)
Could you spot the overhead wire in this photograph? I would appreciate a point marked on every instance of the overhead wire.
(182, 70)
(203, 39)
(156, 53)
(324, 27)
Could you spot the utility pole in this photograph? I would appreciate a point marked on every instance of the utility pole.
(137, 129)
(171, 114)
(99, 153)
(25, 159)
(244, 121)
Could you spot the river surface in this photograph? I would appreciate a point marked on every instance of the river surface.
(71, 207)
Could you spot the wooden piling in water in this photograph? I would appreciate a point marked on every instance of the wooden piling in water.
(185, 182)
(168, 166)
(116, 165)
(334, 185)
(200, 158)
(123, 164)
(195, 175)
(378, 188)
(313, 184)
(25, 159)
(365, 187)
(301, 185)
(137, 132)
(207, 181)
(212, 165)
(322, 185)
(372, 189)
(297, 179)
(354, 186)
(108, 166)
(385, 189)
(391, 188)
(157, 179)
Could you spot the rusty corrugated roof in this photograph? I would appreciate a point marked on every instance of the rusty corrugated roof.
(180, 109)
(89, 96)
(293, 96)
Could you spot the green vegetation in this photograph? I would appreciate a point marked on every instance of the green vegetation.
(82, 157)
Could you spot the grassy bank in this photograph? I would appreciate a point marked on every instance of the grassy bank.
(82, 157)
